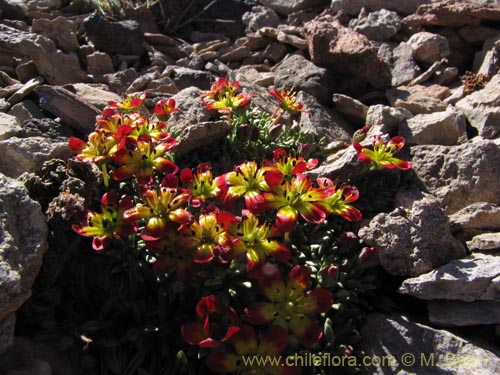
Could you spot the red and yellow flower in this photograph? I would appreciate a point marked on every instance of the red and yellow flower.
(99, 147)
(109, 223)
(287, 101)
(297, 197)
(222, 97)
(201, 184)
(208, 237)
(339, 202)
(216, 323)
(255, 243)
(160, 207)
(291, 306)
(130, 103)
(382, 155)
(164, 108)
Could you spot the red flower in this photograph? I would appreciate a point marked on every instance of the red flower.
(163, 109)
(382, 155)
(216, 323)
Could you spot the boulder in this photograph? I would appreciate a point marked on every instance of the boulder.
(414, 238)
(353, 7)
(286, 7)
(380, 25)
(299, 74)
(200, 134)
(453, 14)
(189, 100)
(485, 242)
(403, 65)
(477, 218)
(487, 61)
(387, 118)
(55, 66)
(61, 30)
(260, 17)
(25, 111)
(73, 111)
(482, 109)
(96, 95)
(122, 37)
(428, 47)
(395, 345)
(351, 108)
(99, 63)
(459, 175)
(9, 126)
(438, 128)
(418, 99)
(21, 250)
(345, 50)
(472, 278)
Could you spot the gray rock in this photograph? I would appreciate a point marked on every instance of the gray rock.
(413, 348)
(26, 110)
(73, 111)
(21, 155)
(286, 7)
(403, 65)
(485, 241)
(54, 65)
(9, 126)
(459, 175)
(475, 277)
(200, 134)
(345, 50)
(26, 71)
(476, 35)
(380, 26)
(351, 108)
(61, 30)
(293, 40)
(414, 238)
(94, 94)
(428, 47)
(322, 121)
(185, 77)
(487, 61)
(299, 74)
(477, 218)
(99, 63)
(10, 38)
(275, 52)
(438, 128)
(340, 166)
(21, 250)
(123, 37)
(192, 111)
(482, 109)
(120, 81)
(25, 90)
(463, 314)
(353, 7)
(388, 118)
(260, 17)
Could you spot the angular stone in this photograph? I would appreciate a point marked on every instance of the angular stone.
(482, 109)
(200, 134)
(96, 95)
(428, 47)
(293, 40)
(260, 17)
(299, 74)
(414, 238)
(99, 63)
(403, 66)
(459, 175)
(21, 248)
(286, 7)
(9, 126)
(340, 166)
(26, 71)
(54, 65)
(123, 37)
(73, 111)
(185, 77)
(120, 81)
(60, 29)
(10, 38)
(487, 61)
(343, 49)
(438, 128)
(26, 110)
(353, 7)
(20, 155)
(453, 14)
(25, 90)
(192, 109)
(475, 277)
(413, 348)
(388, 118)
(322, 121)
(352, 109)
(275, 52)
(485, 241)
(380, 26)
(235, 54)
(476, 218)
(463, 314)
(414, 101)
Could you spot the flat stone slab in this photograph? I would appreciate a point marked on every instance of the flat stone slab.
(462, 314)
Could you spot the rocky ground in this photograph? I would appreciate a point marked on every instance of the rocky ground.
(400, 66)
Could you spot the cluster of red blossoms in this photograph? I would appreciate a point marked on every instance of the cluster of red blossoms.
(189, 218)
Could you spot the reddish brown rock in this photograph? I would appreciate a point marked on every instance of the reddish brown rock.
(345, 50)
(453, 13)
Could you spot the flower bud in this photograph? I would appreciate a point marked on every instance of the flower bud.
(328, 276)
(247, 132)
(368, 256)
(276, 130)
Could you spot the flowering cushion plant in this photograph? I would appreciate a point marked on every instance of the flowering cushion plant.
(236, 246)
